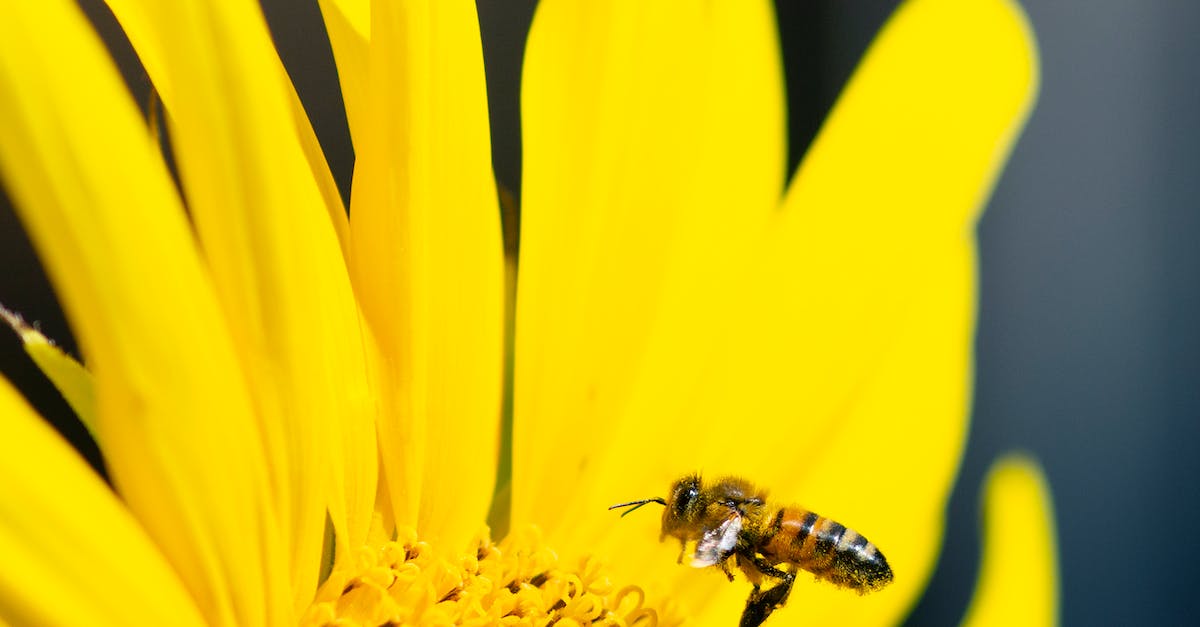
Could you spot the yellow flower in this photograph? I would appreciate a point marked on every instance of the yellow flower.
(262, 367)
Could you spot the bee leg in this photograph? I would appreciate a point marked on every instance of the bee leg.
(756, 611)
(725, 569)
(682, 550)
(762, 603)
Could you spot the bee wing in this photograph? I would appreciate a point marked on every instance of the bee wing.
(717, 544)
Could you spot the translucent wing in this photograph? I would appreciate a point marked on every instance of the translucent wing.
(718, 543)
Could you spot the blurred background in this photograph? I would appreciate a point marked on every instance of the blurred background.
(1089, 332)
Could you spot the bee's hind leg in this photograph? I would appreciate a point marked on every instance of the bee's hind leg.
(762, 603)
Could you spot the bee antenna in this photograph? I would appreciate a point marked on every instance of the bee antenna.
(636, 504)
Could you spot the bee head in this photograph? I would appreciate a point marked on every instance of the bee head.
(685, 509)
(685, 495)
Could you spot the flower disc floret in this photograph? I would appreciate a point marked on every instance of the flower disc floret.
(519, 581)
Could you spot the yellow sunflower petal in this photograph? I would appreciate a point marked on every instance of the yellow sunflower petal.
(653, 157)
(863, 323)
(428, 264)
(173, 413)
(71, 379)
(72, 553)
(247, 162)
(855, 320)
(886, 195)
(348, 23)
(152, 49)
(1018, 582)
(321, 174)
(871, 474)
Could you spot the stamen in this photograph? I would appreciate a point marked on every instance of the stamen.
(516, 582)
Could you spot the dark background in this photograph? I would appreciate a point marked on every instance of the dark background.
(1088, 346)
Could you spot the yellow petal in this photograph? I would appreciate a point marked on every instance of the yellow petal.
(73, 555)
(1018, 582)
(321, 174)
(863, 322)
(172, 409)
(348, 23)
(270, 231)
(428, 264)
(886, 196)
(71, 379)
(653, 138)
(152, 50)
(854, 323)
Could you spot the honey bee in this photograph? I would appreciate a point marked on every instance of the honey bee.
(731, 521)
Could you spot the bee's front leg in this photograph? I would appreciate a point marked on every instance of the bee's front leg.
(725, 569)
(682, 551)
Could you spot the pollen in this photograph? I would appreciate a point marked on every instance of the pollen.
(519, 581)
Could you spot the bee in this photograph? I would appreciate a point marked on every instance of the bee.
(731, 521)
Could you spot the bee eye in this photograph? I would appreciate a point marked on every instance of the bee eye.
(687, 496)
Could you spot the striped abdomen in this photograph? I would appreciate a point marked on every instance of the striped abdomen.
(826, 549)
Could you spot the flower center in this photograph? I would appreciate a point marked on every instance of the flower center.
(518, 581)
